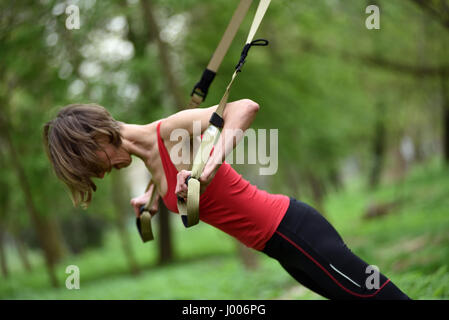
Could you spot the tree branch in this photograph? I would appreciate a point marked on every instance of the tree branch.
(377, 61)
(437, 8)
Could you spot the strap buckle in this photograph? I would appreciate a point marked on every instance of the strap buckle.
(202, 87)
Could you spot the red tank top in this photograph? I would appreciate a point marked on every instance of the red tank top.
(230, 203)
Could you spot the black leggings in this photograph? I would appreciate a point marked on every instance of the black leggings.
(313, 253)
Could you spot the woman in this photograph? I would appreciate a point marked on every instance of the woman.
(85, 142)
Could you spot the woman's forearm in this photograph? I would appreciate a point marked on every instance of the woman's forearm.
(236, 120)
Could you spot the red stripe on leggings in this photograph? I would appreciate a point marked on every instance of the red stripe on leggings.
(327, 272)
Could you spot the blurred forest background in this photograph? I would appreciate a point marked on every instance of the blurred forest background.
(363, 120)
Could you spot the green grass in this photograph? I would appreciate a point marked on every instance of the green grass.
(410, 245)
(207, 268)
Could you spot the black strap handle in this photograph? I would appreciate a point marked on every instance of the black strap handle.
(257, 42)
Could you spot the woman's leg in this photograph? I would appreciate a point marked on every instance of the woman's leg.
(312, 251)
(306, 281)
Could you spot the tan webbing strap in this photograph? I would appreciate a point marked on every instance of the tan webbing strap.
(189, 210)
(197, 97)
(229, 35)
(143, 222)
(200, 90)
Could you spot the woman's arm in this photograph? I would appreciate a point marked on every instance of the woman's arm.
(237, 117)
(236, 122)
(137, 202)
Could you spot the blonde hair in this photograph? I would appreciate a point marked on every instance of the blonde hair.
(71, 142)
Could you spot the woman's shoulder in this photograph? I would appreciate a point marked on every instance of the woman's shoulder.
(153, 127)
(160, 128)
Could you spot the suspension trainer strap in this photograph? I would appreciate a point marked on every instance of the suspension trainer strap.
(143, 221)
(189, 210)
(199, 93)
(201, 88)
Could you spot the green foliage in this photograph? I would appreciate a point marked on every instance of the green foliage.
(324, 82)
(408, 246)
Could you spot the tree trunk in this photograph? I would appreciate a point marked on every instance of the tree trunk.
(23, 254)
(292, 178)
(173, 87)
(121, 210)
(445, 117)
(446, 133)
(3, 262)
(165, 239)
(47, 239)
(4, 206)
(175, 92)
(127, 247)
(318, 191)
(336, 179)
(378, 147)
